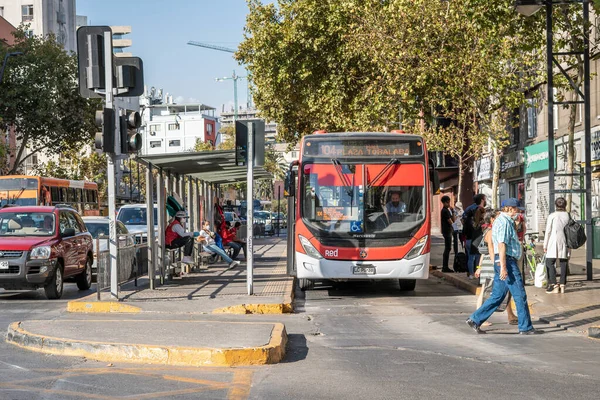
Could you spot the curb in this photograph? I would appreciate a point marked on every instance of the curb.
(90, 307)
(271, 353)
(457, 282)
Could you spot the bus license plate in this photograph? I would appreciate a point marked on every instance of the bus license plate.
(3, 264)
(363, 270)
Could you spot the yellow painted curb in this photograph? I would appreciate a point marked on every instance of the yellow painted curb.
(100, 307)
(271, 353)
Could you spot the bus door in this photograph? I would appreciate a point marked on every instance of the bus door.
(291, 182)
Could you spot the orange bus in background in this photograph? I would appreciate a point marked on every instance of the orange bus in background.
(26, 190)
(360, 208)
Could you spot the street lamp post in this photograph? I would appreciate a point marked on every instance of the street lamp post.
(235, 78)
(6, 57)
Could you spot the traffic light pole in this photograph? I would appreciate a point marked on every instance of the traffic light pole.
(250, 209)
(111, 171)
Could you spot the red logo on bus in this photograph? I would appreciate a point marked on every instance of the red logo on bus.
(362, 253)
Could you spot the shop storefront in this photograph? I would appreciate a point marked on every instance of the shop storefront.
(483, 172)
(595, 153)
(536, 186)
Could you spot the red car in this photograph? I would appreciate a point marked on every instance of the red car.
(43, 247)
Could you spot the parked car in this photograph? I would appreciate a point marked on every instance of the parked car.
(41, 247)
(279, 218)
(264, 217)
(99, 227)
(135, 219)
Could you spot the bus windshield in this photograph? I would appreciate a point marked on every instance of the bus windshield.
(353, 198)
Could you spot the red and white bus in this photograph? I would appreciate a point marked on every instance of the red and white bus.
(26, 190)
(362, 208)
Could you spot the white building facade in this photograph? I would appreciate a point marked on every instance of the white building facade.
(173, 128)
(44, 17)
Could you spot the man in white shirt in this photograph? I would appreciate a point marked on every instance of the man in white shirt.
(208, 242)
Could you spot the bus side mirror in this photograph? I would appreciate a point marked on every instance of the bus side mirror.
(435, 181)
(290, 179)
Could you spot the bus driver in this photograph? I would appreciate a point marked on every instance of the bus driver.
(395, 205)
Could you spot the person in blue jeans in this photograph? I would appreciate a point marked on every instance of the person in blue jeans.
(507, 275)
(208, 242)
(472, 220)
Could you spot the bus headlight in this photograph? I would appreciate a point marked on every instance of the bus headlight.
(41, 253)
(417, 248)
(309, 248)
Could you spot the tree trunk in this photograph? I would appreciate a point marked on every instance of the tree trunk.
(461, 171)
(571, 148)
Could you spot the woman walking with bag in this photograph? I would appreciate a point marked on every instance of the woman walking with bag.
(555, 246)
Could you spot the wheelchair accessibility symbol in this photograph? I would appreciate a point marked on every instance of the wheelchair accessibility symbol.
(356, 226)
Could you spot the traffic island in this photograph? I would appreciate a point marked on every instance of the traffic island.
(168, 342)
(594, 332)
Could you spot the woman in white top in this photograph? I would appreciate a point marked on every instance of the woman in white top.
(555, 246)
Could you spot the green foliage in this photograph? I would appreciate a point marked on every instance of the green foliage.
(203, 146)
(39, 96)
(228, 134)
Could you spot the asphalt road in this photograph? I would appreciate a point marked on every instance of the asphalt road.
(356, 341)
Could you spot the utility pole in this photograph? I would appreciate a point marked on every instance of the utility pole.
(235, 78)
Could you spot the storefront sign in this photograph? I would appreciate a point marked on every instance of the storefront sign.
(595, 148)
(483, 169)
(512, 165)
(536, 157)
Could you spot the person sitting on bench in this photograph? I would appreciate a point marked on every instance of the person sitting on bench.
(208, 241)
(176, 237)
(230, 239)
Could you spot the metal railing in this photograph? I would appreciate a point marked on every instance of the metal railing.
(132, 261)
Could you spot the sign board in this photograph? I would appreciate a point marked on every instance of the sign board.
(483, 169)
(595, 148)
(91, 59)
(536, 157)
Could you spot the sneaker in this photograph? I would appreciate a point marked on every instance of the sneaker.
(187, 260)
(471, 277)
(475, 327)
(233, 264)
(531, 332)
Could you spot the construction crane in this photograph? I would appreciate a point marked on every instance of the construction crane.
(234, 77)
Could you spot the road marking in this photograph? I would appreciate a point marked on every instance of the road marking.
(13, 366)
(242, 382)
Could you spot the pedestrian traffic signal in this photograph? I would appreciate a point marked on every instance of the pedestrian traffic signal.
(105, 139)
(131, 140)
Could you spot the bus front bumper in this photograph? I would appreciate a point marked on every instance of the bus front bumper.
(311, 268)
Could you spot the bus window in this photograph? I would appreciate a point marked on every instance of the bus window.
(54, 192)
(79, 193)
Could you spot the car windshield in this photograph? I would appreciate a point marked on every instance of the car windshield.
(136, 216)
(97, 228)
(364, 198)
(27, 224)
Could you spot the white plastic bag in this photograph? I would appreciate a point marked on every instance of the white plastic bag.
(541, 280)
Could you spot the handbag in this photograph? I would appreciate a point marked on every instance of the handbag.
(575, 234)
(541, 278)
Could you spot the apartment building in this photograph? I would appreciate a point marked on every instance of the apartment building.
(44, 17)
(226, 118)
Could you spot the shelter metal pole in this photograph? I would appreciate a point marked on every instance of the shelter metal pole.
(190, 205)
(250, 207)
(588, 145)
(161, 224)
(150, 225)
(181, 189)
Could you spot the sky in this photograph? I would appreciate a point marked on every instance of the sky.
(160, 32)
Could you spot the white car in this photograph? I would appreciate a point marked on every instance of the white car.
(265, 217)
(134, 217)
(98, 227)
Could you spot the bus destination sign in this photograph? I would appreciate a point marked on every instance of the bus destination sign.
(358, 149)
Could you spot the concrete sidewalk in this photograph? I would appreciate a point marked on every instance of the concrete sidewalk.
(170, 325)
(577, 310)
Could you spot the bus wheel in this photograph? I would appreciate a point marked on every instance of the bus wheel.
(407, 285)
(306, 284)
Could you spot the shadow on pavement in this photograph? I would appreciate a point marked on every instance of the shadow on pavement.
(70, 292)
(297, 350)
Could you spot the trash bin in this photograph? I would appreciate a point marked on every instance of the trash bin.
(596, 238)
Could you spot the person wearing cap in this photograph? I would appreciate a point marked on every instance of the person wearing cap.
(176, 237)
(507, 275)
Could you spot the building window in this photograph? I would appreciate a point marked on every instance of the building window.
(531, 119)
(174, 143)
(555, 109)
(515, 127)
(1, 11)
(27, 13)
(173, 127)
(34, 159)
(155, 143)
(29, 33)
(154, 129)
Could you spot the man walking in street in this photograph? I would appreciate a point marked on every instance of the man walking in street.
(447, 231)
(472, 219)
(507, 276)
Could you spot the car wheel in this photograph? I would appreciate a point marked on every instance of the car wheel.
(407, 285)
(54, 288)
(84, 280)
(306, 284)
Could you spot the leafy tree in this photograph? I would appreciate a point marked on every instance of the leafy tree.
(39, 97)
(203, 146)
(228, 135)
(365, 65)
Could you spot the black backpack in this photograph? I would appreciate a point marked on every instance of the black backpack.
(575, 234)
(460, 262)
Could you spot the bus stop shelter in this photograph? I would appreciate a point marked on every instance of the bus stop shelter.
(196, 177)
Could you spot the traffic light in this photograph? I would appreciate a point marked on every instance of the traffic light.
(105, 139)
(131, 140)
(241, 143)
